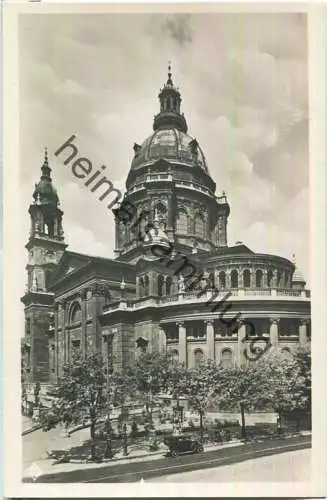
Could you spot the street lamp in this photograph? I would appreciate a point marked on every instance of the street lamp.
(178, 412)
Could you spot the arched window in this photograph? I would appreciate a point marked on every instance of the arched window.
(287, 284)
(168, 285)
(222, 279)
(234, 278)
(247, 278)
(258, 278)
(270, 276)
(279, 279)
(122, 233)
(211, 280)
(199, 226)
(75, 313)
(146, 285)
(160, 285)
(141, 287)
(181, 222)
(47, 279)
(227, 358)
(198, 357)
(143, 229)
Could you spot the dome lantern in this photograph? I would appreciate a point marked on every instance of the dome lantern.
(170, 104)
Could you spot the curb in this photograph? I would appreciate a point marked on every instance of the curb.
(32, 429)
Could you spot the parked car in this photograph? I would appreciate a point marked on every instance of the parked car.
(183, 444)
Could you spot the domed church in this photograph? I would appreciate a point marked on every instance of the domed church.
(142, 299)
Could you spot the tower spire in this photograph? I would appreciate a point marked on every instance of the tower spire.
(46, 170)
(169, 81)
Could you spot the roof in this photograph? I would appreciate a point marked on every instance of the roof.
(298, 276)
(73, 262)
(169, 144)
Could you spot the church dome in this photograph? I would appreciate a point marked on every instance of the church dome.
(170, 144)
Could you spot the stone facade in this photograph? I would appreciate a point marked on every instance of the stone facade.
(139, 301)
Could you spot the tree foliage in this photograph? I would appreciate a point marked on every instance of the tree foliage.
(290, 380)
(80, 393)
(152, 376)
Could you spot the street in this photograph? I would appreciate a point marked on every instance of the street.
(290, 467)
(133, 472)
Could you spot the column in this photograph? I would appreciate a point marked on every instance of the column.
(227, 279)
(153, 280)
(56, 351)
(265, 278)
(274, 322)
(240, 278)
(303, 332)
(241, 342)
(274, 279)
(117, 236)
(252, 271)
(182, 344)
(161, 339)
(64, 331)
(210, 338)
(84, 322)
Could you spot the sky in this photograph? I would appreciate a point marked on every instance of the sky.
(244, 84)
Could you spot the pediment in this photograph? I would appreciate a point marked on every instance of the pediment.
(69, 263)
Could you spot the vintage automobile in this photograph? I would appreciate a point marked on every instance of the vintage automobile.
(179, 445)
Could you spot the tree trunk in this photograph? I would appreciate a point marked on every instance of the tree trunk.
(201, 426)
(108, 449)
(92, 432)
(125, 450)
(243, 431)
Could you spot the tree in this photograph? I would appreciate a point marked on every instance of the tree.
(201, 387)
(302, 356)
(152, 372)
(245, 387)
(79, 393)
(290, 381)
(124, 389)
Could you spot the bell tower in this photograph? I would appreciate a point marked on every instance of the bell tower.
(45, 248)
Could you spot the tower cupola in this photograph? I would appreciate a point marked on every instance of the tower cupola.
(45, 192)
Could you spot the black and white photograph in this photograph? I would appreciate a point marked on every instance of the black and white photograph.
(163, 260)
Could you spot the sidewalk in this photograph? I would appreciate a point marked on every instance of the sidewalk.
(47, 466)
